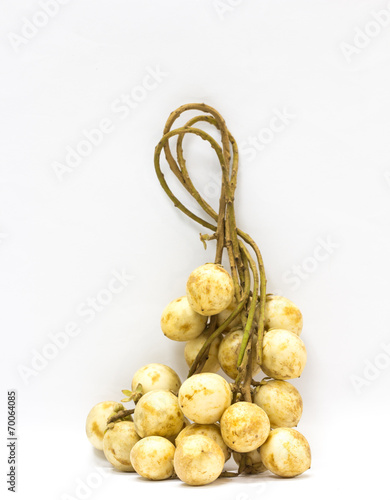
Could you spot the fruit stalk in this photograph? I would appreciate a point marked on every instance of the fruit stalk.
(247, 272)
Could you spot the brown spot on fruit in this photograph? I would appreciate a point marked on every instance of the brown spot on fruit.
(96, 430)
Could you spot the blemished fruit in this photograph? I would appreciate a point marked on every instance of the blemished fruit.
(281, 401)
(156, 376)
(209, 289)
(244, 426)
(253, 459)
(194, 346)
(284, 354)
(118, 442)
(212, 431)
(180, 322)
(228, 354)
(286, 452)
(283, 314)
(97, 422)
(223, 315)
(204, 397)
(198, 460)
(158, 413)
(152, 457)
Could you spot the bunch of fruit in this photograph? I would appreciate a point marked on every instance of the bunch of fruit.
(189, 430)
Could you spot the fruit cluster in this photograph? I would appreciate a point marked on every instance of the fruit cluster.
(189, 430)
(157, 440)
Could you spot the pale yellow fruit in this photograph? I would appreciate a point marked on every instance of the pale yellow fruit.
(253, 460)
(194, 346)
(198, 460)
(158, 413)
(152, 457)
(97, 422)
(156, 376)
(284, 354)
(209, 289)
(204, 397)
(212, 431)
(180, 322)
(286, 452)
(244, 426)
(228, 354)
(283, 314)
(223, 315)
(117, 444)
(281, 401)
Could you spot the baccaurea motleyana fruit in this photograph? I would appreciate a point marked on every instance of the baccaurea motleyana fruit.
(284, 354)
(97, 422)
(204, 397)
(158, 413)
(283, 314)
(198, 460)
(180, 322)
(118, 441)
(209, 289)
(194, 346)
(228, 354)
(156, 376)
(152, 458)
(244, 426)
(281, 401)
(286, 452)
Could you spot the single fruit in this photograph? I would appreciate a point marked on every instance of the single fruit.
(286, 452)
(158, 413)
(253, 460)
(204, 397)
(180, 322)
(223, 315)
(284, 354)
(244, 426)
(156, 376)
(97, 422)
(281, 401)
(283, 314)
(212, 431)
(209, 289)
(152, 457)
(194, 346)
(117, 444)
(198, 460)
(228, 354)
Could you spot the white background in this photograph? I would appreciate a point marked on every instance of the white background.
(324, 177)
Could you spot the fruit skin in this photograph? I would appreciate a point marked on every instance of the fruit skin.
(194, 346)
(180, 322)
(97, 422)
(156, 376)
(118, 441)
(209, 289)
(281, 401)
(244, 426)
(204, 397)
(198, 460)
(158, 413)
(228, 353)
(212, 431)
(284, 354)
(152, 458)
(283, 314)
(286, 452)
(253, 460)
